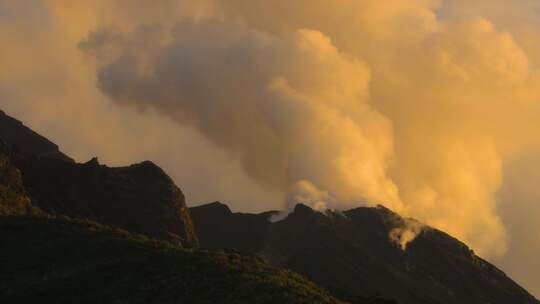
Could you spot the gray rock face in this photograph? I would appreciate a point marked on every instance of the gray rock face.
(350, 253)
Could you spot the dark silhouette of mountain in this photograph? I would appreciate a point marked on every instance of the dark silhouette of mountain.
(351, 254)
(17, 134)
(55, 260)
(49, 257)
(140, 198)
(221, 229)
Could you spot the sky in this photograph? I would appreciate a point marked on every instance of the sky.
(428, 107)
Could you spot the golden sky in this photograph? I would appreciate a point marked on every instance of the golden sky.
(430, 107)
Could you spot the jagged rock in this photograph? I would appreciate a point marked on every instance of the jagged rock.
(221, 229)
(140, 198)
(351, 254)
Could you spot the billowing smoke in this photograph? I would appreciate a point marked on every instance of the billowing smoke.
(396, 106)
(406, 233)
(426, 106)
(291, 108)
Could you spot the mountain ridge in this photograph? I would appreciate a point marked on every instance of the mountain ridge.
(27, 140)
(49, 257)
(140, 198)
(351, 254)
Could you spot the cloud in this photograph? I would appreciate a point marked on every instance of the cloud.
(403, 235)
(291, 108)
(53, 90)
(520, 194)
(365, 125)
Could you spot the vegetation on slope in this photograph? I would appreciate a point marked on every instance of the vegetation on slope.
(58, 260)
(13, 199)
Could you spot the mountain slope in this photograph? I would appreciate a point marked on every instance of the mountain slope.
(351, 254)
(47, 260)
(140, 198)
(50, 258)
(28, 141)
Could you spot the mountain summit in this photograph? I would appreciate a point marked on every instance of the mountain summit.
(140, 198)
(352, 255)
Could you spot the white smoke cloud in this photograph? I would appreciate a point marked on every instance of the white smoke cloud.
(407, 233)
(305, 192)
(291, 108)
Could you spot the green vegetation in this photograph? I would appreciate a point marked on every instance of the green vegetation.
(13, 200)
(59, 260)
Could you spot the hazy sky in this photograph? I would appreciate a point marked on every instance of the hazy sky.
(429, 107)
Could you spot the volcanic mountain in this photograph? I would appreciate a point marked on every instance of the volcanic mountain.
(59, 253)
(120, 232)
(351, 254)
(140, 198)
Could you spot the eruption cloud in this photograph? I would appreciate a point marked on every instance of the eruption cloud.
(292, 108)
(423, 106)
(363, 121)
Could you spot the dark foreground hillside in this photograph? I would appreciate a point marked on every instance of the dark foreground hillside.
(65, 261)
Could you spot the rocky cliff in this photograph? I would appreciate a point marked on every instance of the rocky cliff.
(140, 198)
